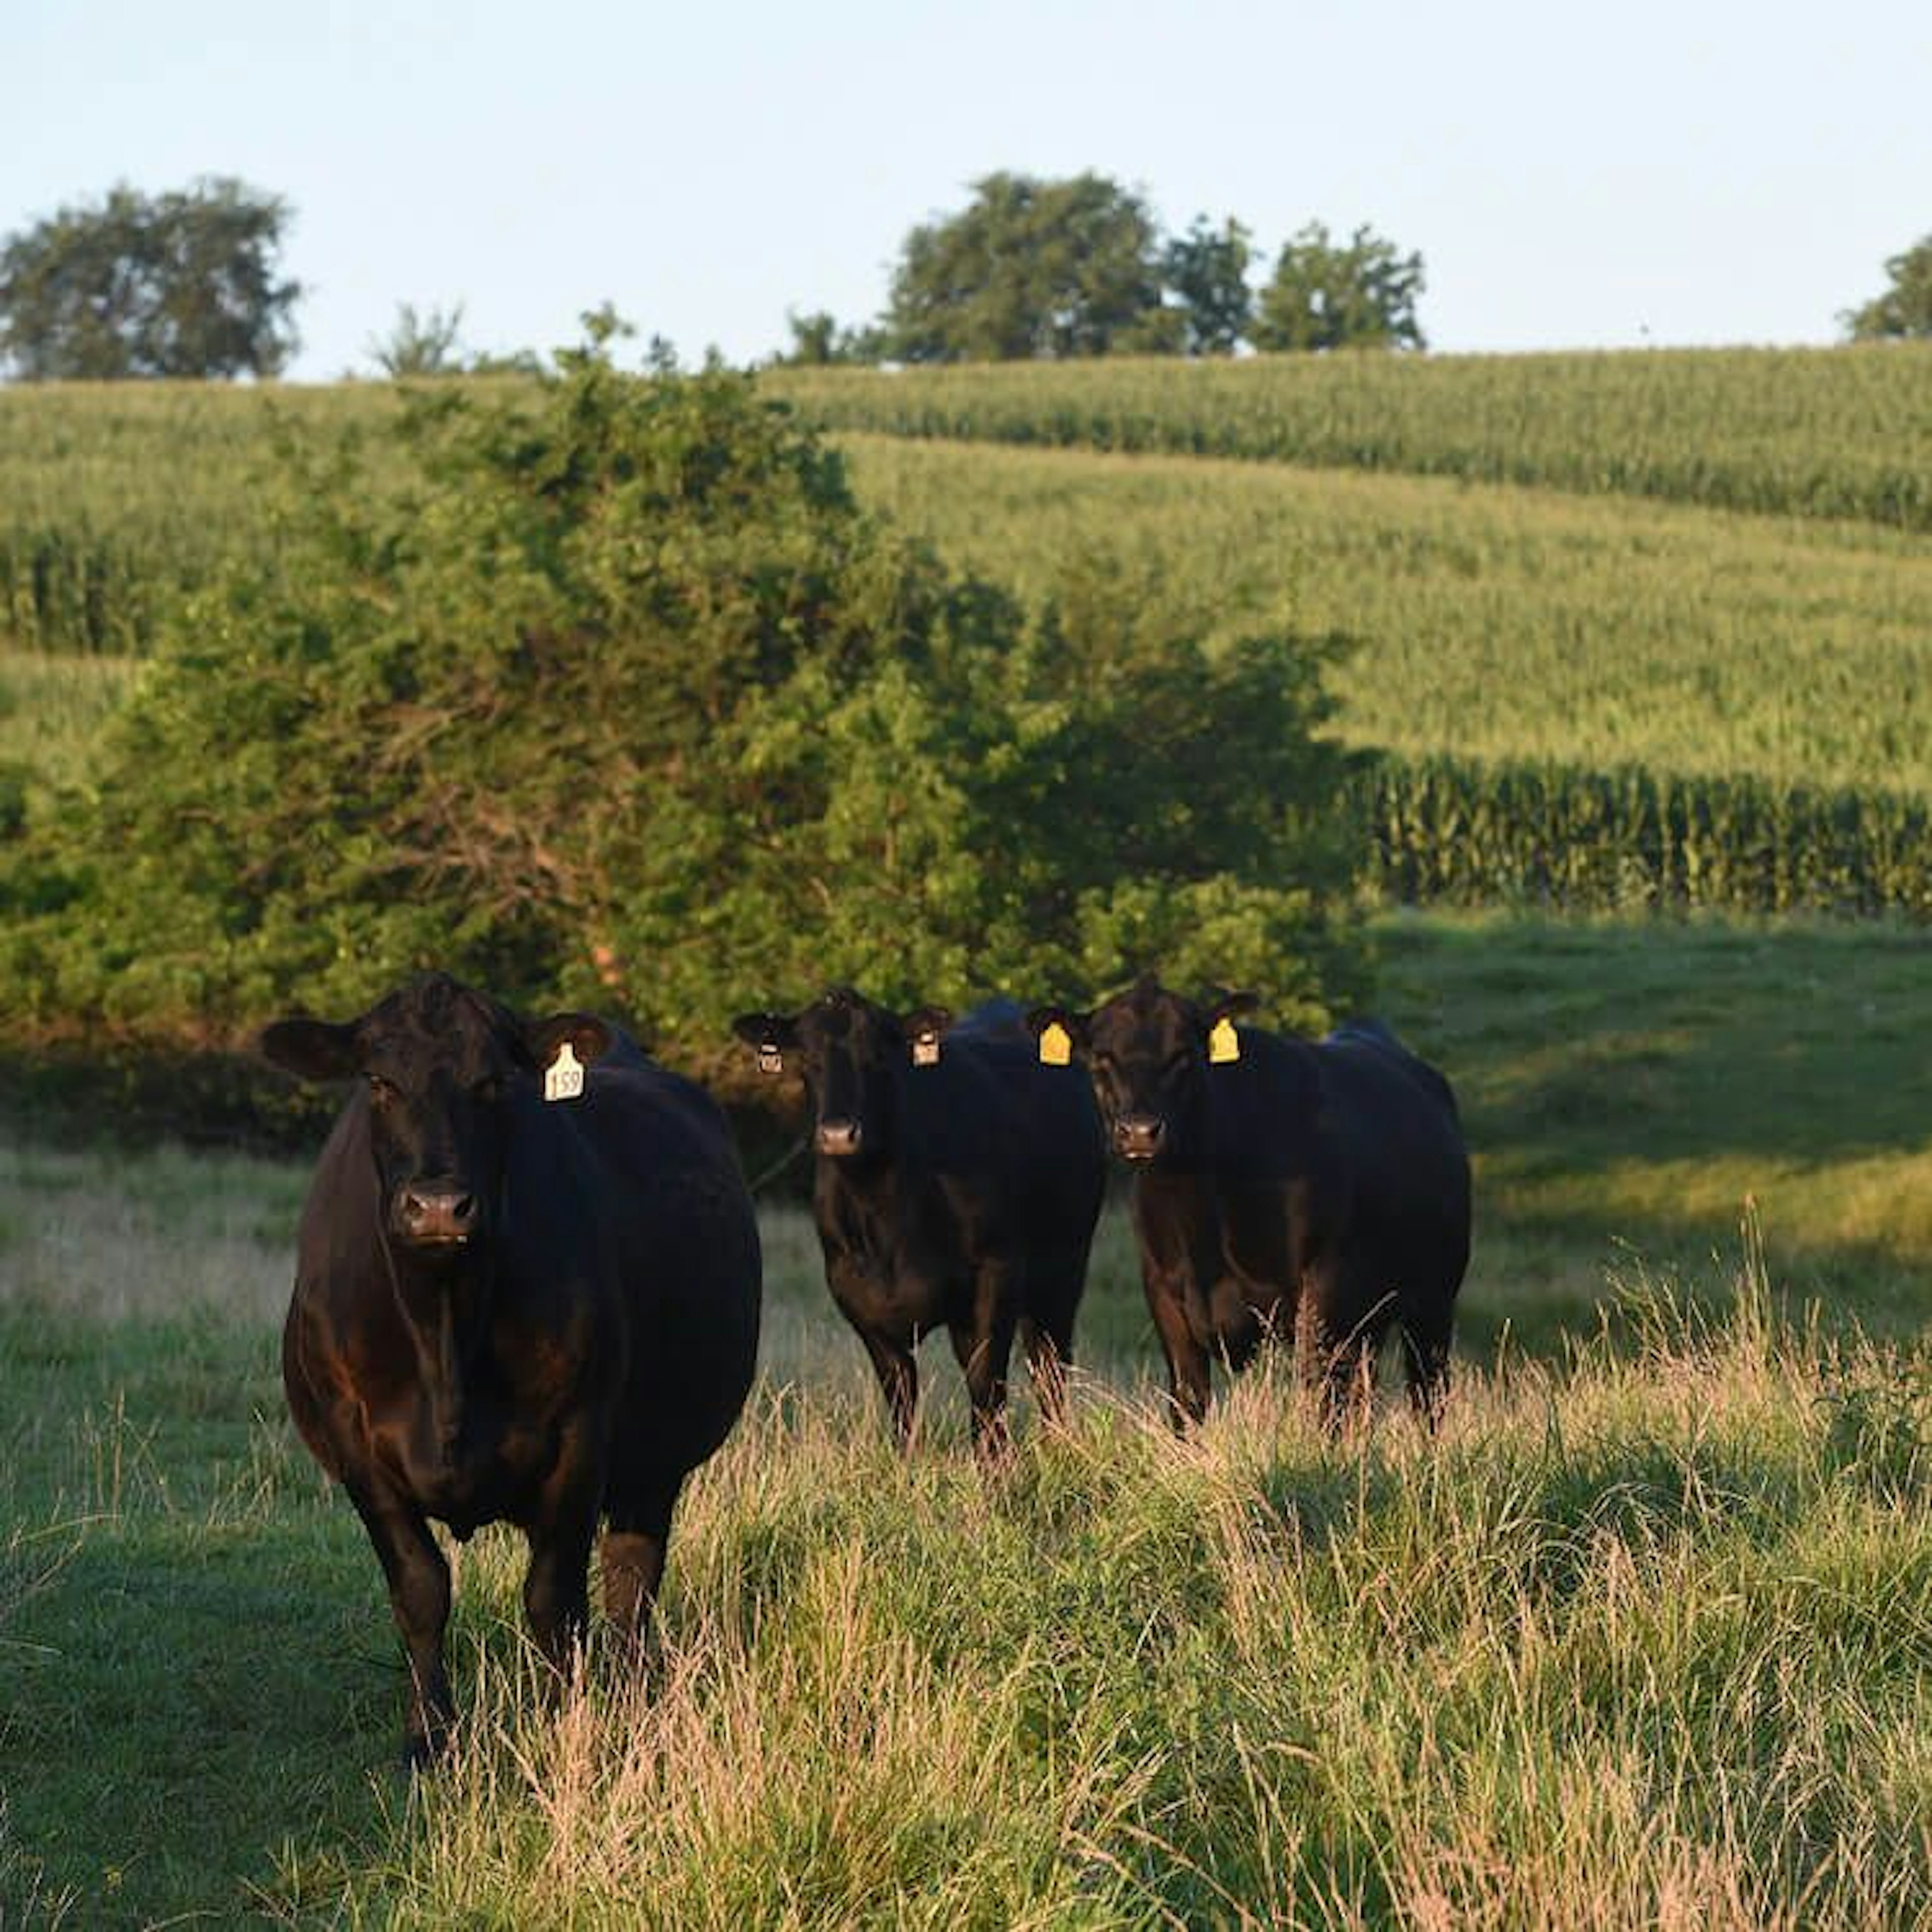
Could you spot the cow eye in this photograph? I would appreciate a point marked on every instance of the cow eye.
(489, 1089)
(380, 1090)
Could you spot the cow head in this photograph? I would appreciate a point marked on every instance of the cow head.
(444, 1066)
(1150, 1052)
(851, 1055)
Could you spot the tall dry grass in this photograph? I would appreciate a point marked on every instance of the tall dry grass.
(1642, 1639)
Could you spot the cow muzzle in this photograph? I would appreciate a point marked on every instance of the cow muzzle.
(1138, 1136)
(839, 1138)
(430, 1215)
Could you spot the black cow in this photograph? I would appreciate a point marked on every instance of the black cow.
(524, 1292)
(1319, 1190)
(957, 1183)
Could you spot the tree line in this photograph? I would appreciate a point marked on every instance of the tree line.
(1033, 269)
(187, 283)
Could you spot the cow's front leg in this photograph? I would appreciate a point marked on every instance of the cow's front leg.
(984, 1345)
(1188, 1379)
(892, 1362)
(556, 1587)
(419, 1578)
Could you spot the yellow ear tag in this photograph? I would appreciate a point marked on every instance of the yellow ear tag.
(925, 1049)
(1056, 1045)
(563, 1079)
(1224, 1044)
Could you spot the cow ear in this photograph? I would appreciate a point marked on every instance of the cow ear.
(315, 1049)
(1219, 1005)
(768, 1035)
(590, 1038)
(924, 1030)
(1058, 1033)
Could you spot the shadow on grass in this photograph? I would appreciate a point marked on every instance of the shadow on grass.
(186, 1700)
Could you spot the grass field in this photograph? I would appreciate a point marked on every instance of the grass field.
(1645, 1640)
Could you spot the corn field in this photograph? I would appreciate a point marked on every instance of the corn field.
(1443, 831)
(1843, 432)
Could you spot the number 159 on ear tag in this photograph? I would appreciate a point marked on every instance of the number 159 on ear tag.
(563, 1079)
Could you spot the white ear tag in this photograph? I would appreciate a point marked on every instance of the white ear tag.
(771, 1059)
(1224, 1044)
(563, 1078)
(925, 1048)
(1056, 1045)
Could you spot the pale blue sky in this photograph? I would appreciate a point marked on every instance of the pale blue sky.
(1573, 176)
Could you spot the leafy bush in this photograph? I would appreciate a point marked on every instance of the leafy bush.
(604, 689)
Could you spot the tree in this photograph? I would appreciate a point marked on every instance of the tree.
(819, 339)
(1905, 309)
(1325, 295)
(1031, 268)
(1208, 271)
(420, 345)
(181, 284)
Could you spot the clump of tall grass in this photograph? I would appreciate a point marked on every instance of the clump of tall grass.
(1641, 1639)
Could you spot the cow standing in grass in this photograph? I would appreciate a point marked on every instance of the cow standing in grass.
(527, 1290)
(1315, 1190)
(957, 1186)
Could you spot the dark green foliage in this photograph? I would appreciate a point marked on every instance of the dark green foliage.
(177, 284)
(1448, 830)
(819, 339)
(1032, 269)
(1329, 295)
(1902, 309)
(428, 344)
(603, 689)
(1207, 272)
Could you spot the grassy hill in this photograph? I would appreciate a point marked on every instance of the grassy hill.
(1493, 623)
(1818, 432)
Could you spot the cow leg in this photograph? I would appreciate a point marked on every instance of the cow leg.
(556, 1586)
(1347, 1367)
(1188, 1374)
(418, 1575)
(899, 1379)
(1049, 1355)
(983, 1349)
(1048, 1334)
(635, 1539)
(1426, 1347)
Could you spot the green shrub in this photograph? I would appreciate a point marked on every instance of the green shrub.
(604, 689)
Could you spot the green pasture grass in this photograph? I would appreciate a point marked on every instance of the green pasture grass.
(1494, 623)
(1644, 1639)
(1633, 1089)
(1641, 1640)
(1844, 432)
